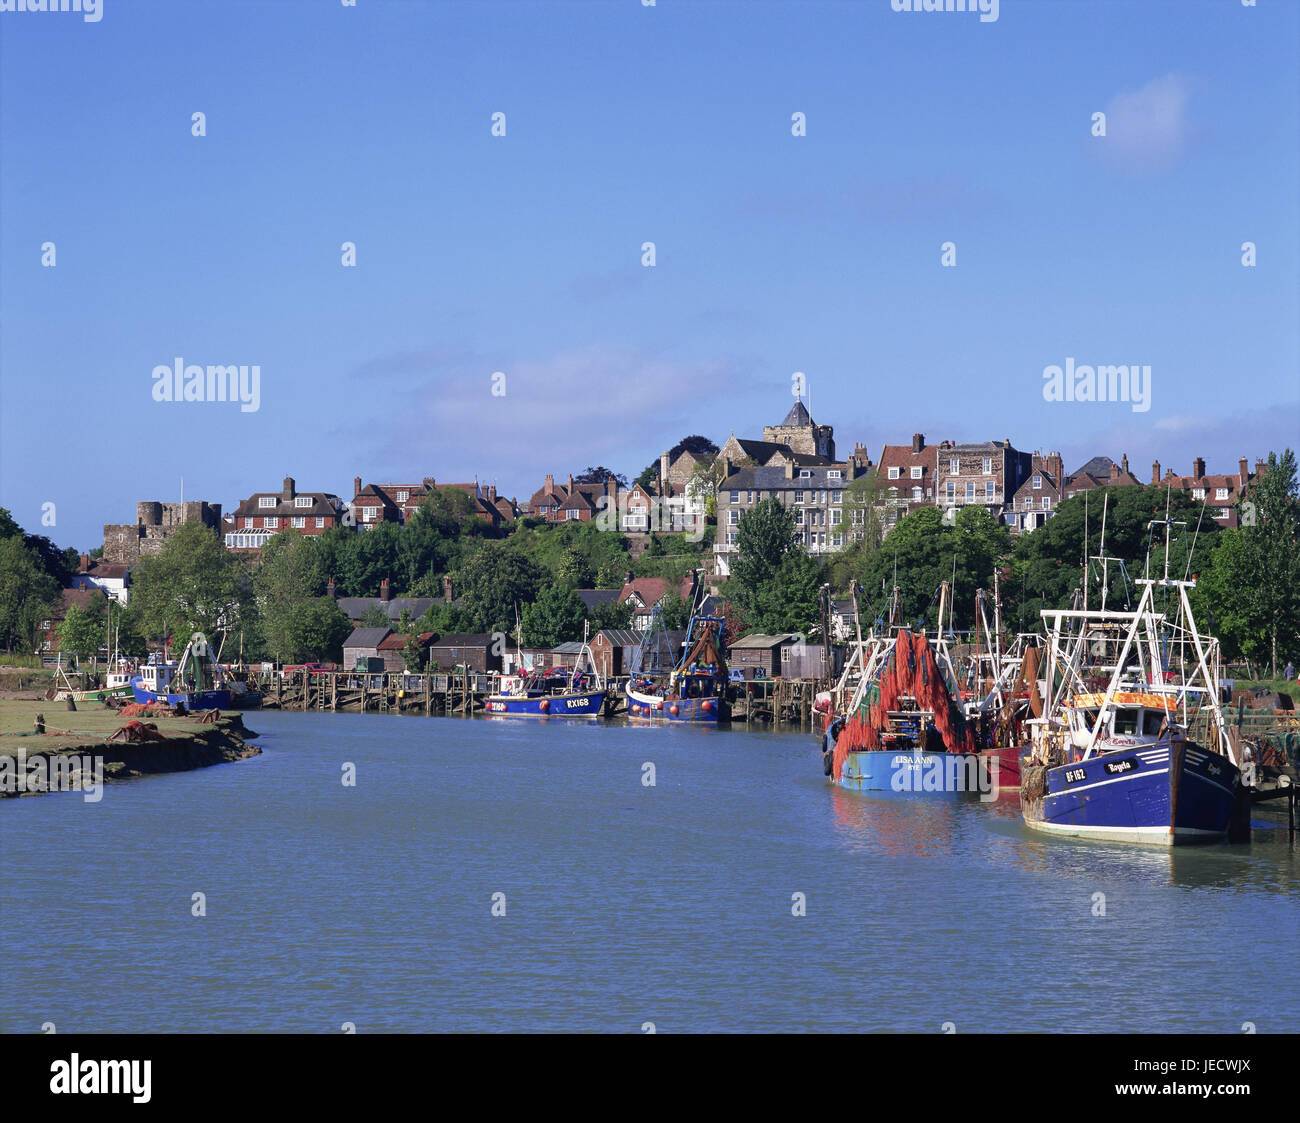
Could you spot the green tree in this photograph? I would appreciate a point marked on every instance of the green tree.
(27, 593)
(492, 582)
(81, 632)
(315, 630)
(1253, 587)
(611, 614)
(289, 574)
(192, 584)
(765, 536)
(787, 602)
(573, 570)
(556, 616)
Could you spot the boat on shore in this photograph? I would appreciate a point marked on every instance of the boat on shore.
(196, 682)
(1112, 757)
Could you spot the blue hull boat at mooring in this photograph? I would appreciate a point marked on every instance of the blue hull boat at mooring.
(588, 704)
(1163, 795)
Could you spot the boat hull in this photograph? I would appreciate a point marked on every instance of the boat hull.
(647, 707)
(585, 704)
(1158, 795)
(1002, 768)
(914, 772)
(191, 700)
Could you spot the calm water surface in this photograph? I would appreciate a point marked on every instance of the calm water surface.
(624, 904)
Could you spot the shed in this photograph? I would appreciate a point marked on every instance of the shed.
(363, 643)
(613, 650)
(475, 650)
(760, 655)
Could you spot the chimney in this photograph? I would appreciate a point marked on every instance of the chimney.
(1155, 472)
(611, 489)
(1259, 465)
(1243, 472)
(570, 483)
(287, 492)
(446, 589)
(663, 471)
(329, 588)
(1198, 468)
(789, 469)
(550, 482)
(492, 493)
(85, 558)
(1123, 462)
(383, 590)
(356, 485)
(918, 442)
(1114, 472)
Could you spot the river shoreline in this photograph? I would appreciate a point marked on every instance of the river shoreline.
(78, 741)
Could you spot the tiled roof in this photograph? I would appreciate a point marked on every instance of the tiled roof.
(775, 479)
(620, 637)
(322, 503)
(356, 607)
(591, 598)
(464, 639)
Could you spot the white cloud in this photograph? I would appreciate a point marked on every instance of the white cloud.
(1147, 129)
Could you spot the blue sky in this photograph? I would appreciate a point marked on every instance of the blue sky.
(522, 253)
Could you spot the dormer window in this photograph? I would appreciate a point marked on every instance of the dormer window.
(916, 471)
(266, 501)
(893, 473)
(302, 501)
(403, 496)
(804, 474)
(1038, 483)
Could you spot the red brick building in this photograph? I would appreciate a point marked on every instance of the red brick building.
(266, 513)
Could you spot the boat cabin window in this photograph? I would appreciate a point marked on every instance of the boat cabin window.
(1126, 721)
(1152, 720)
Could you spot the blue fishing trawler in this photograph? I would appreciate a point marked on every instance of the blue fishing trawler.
(551, 692)
(197, 682)
(1116, 762)
(696, 688)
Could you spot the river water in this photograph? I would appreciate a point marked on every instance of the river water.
(625, 905)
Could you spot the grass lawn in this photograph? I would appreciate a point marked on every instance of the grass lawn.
(89, 725)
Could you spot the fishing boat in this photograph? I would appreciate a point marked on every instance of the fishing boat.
(552, 692)
(1112, 757)
(695, 690)
(197, 682)
(902, 729)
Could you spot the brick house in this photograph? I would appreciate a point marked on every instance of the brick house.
(613, 649)
(984, 473)
(1221, 493)
(905, 478)
(266, 513)
(1038, 497)
(376, 503)
(643, 593)
(1100, 471)
(112, 579)
(47, 640)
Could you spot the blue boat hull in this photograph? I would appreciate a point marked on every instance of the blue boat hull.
(643, 707)
(915, 772)
(1160, 795)
(586, 704)
(191, 700)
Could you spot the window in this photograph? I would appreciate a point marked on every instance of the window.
(988, 465)
(893, 493)
(570, 516)
(320, 522)
(735, 497)
(731, 537)
(1047, 503)
(403, 496)
(916, 493)
(805, 474)
(368, 514)
(798, 516)
(266, 501)
(798, 496)
(837, 497)
(1198, 493)
(1225, 512)
(1038, 482)
(836, 516)
(1220, 493)
(916, 471)
(749, 497)
(271, 523)
(988, 489)
(858, 517)
(837, 540)
(302, 501)
(733, 518)
(298, 521)
(970, 491)
(952, 491)
(834, 474)
(893, 473)
(954, 466)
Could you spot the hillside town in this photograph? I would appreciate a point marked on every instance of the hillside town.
(660, 542)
